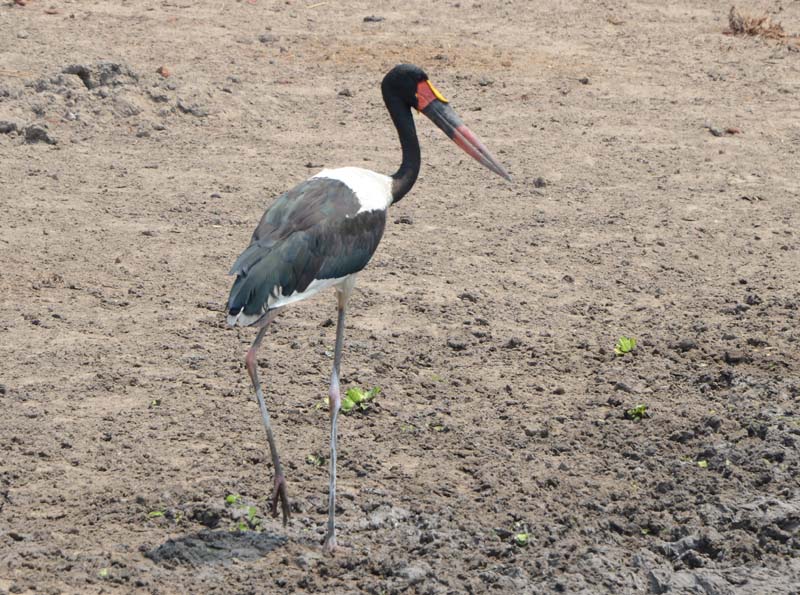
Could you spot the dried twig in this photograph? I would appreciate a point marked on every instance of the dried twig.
(745, 23)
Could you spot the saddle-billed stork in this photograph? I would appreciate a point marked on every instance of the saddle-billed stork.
(322, 232)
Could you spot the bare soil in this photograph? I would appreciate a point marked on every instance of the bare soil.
(656, 195)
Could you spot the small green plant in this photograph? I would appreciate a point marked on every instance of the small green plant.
(355, 399)
(103, 573)
(637, 413)
(232, 499)
(522, 539)
(251, 516)
(702, 464)
(315, 460)
(155, 513)
(625, 345)
(241, 527)
(154, 403)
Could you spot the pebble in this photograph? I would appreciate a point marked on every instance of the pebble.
(267, 38)
(7, 127)
(373, 19)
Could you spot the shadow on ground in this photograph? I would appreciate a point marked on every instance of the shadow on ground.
(212, 547)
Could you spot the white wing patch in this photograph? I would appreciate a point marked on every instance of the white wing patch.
(317, 285)
(373, 190)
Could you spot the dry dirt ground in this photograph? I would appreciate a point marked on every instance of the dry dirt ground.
(488, 316)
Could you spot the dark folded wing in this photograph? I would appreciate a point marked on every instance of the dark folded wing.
(312, 232)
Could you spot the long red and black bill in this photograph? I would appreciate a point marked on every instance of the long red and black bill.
(431, 103)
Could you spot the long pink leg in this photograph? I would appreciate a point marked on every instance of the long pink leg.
(279, 490)
(335, 401)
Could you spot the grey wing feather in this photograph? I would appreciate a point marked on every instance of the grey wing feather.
(311, 232)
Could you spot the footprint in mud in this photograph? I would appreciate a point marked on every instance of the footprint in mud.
(211, 547)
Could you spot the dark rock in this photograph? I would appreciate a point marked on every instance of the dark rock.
(584, 80)
(734, 358)
(267, 38)
(539, 182)
(714, 422)
(685, 345)
(373, 19)
(102, 74)
(157, 96)
(456, 344)
(345, 93)
(404, 219)
(752, 299)
(38, 134)
(192, 109)
(208, 515)
(513, 343)
(7, 127)
(682, 436)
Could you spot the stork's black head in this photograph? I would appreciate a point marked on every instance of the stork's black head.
(401, 82)
(409, 85)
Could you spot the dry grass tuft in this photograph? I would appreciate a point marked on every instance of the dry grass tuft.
(744, 23)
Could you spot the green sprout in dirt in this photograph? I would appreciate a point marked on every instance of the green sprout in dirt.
(232, 499)
(355, 399)
(522, 538)
(637, 413)
(251, 522)
(315, 460)
(358, 398)
(155, 513)
(625, 345)
(702, 464)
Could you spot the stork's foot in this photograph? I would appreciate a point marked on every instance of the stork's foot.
(329, 545)
(279, 493)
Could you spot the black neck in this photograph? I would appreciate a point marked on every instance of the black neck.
(404, 177)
